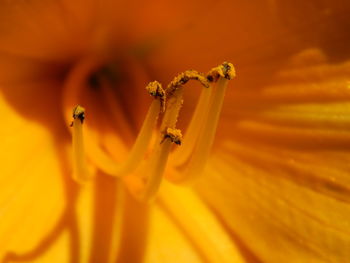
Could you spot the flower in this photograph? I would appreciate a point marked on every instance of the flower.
(275, 188)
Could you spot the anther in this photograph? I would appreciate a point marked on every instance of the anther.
(157, 163)
(174, 135)
(225, 70)
(78, 113)
(156, 90)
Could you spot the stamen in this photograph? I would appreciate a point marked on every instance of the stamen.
(80, 170)
(199, 138)
(182, 154)
(174, 135)
(157, 163)
(175, 92)
(159, 157)
(221, 75)
(103, 160)
(142, 141)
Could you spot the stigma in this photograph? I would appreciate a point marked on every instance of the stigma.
(160, 150)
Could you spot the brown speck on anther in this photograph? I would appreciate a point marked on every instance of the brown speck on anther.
(210, 78)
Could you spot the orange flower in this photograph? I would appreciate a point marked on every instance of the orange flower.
(275, 188)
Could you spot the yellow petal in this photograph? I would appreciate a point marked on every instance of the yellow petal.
(166, 242)
(33, 193)
(199, 225)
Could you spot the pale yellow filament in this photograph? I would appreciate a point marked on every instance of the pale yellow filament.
(80, 170)
(182, 154)
(156, 163)
(198, 150)
(109, 166)
(142, 141)
(206, 137)
(155, 168)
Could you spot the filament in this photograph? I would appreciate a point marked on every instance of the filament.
(182, 154)
(201, 148)
(108, 165)
(155, 168)
(80, 170)
(142, 141)
(206, 138)
(156, 163)
(169, 134)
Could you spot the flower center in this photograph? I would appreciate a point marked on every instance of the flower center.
(142, 163)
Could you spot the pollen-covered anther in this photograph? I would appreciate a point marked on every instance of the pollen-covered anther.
(174, 135)
(78, 113)
(225, 70)
(184, 77)
(156, 90)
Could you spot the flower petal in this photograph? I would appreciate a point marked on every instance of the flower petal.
(33, 196)
(198, 225)
(166, 242)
